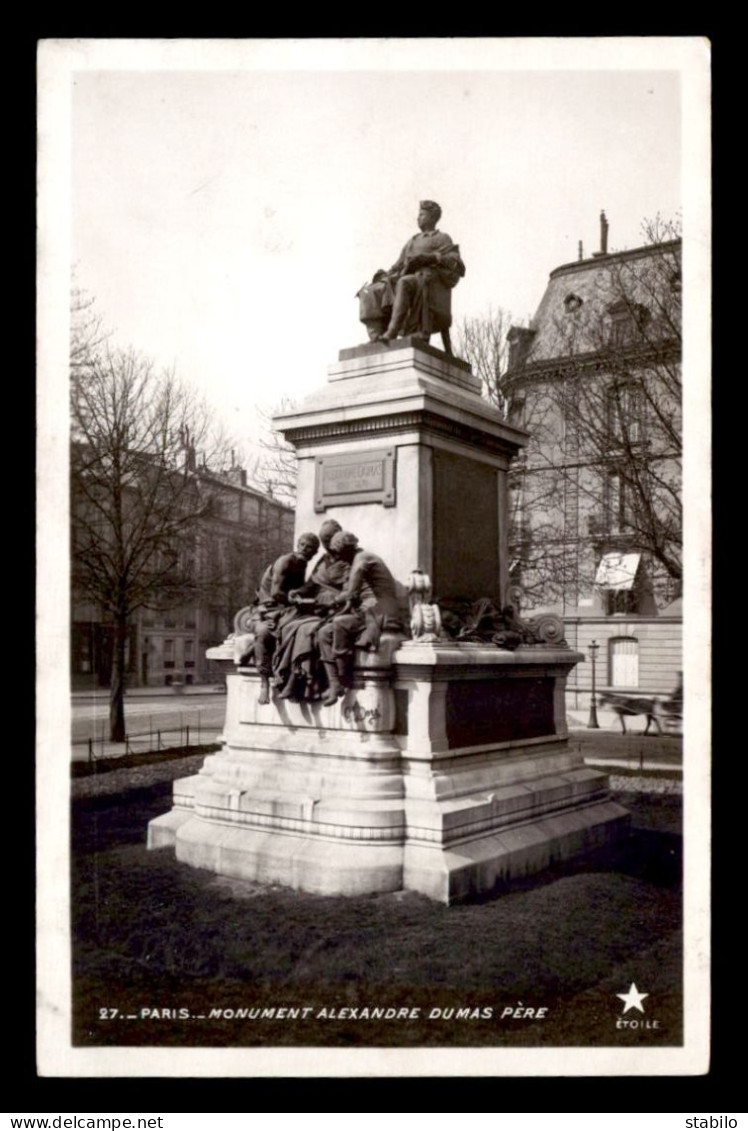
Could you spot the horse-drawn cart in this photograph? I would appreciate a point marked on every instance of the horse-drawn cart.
(665, 713)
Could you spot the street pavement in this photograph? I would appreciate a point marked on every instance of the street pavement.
(148, 713)
(608, 747)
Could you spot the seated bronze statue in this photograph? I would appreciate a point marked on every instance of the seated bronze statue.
(366, 607)
(304, 633)
(296, 667)
(415, 296)
(287, 573)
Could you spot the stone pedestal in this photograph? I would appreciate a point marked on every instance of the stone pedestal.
(301, 794)
(492, 790)
(400, 448)
(446, 769)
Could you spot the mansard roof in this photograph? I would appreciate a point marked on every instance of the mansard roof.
(581, 295)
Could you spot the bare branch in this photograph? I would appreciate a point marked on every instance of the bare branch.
(276, 471)
(87, 333)
(482, 342)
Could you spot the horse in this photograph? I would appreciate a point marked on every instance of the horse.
(633, 705)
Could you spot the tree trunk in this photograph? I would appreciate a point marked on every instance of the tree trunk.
(117, 687)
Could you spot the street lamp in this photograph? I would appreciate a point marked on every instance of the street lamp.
(592, 723)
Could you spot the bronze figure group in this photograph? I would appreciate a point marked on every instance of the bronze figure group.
(305, 632)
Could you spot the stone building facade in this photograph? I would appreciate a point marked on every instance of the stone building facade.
(166, 646)
(596, 496)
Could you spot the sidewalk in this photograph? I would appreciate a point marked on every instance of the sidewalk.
(608, 748)
(153, 722)
(151, 692)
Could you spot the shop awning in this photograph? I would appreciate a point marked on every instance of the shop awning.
(617, 571)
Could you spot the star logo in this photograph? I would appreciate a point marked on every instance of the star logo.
(633, 999)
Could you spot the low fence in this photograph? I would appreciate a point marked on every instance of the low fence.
(152, 740)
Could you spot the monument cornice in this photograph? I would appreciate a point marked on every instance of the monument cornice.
(426, 421)
(472, 662)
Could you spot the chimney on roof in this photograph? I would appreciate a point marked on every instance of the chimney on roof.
(603, 237)
(236, 475)
(581, 250)
(519, 339)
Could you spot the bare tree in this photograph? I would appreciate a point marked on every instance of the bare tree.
(137, 497)
(538, 551)
(87, 333)
(277, 468)
(481, 340)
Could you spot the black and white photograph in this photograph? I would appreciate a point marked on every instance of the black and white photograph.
(374, 529)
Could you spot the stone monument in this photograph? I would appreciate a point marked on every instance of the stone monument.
(445, 767)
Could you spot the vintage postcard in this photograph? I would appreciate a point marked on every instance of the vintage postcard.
(420, 808)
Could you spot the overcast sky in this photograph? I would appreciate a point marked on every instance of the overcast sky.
(229, 200)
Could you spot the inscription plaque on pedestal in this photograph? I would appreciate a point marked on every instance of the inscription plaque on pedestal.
(363, 477)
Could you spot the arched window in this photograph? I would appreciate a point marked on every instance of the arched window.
(623, 661)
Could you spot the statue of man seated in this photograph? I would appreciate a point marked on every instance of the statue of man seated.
(368, 606)
(414, 296)
(295, 660)
(330, 572)
(285, 574)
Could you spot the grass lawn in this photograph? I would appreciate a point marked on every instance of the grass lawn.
(153, 934)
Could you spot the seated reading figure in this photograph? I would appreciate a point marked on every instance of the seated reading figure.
(369, 606)
(295, 660)
(330, 572)
(414, 296)
(279, 579)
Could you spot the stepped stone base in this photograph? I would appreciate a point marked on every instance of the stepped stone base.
(480, 865)
(377, 794)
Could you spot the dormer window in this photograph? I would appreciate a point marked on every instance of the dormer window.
(573, 303)
(627, 321)
(519, 339)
